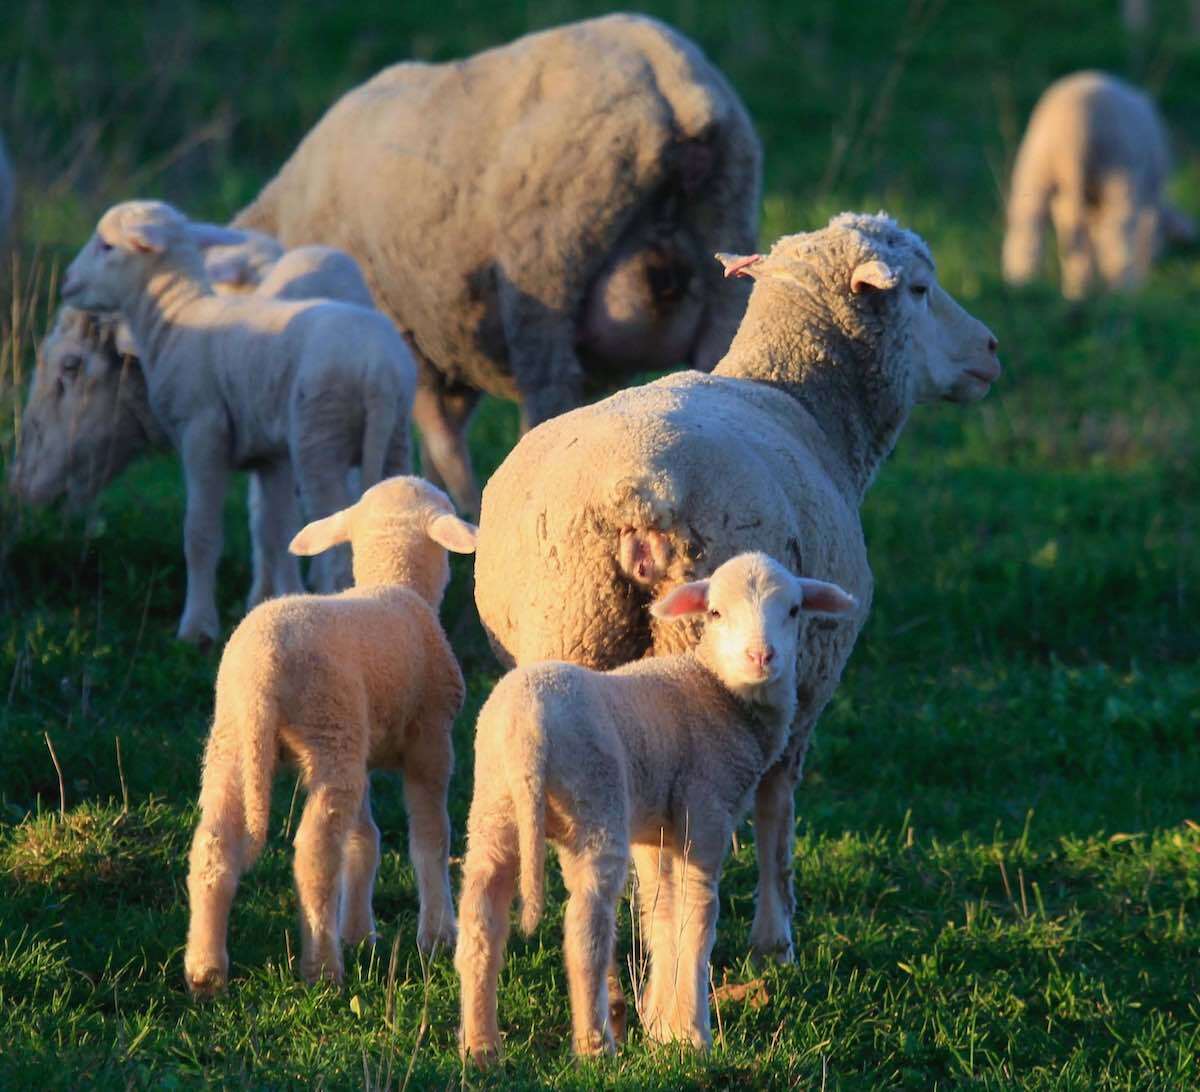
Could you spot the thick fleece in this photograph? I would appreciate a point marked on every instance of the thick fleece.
(336, 685)
(657, 760)
(847, 328)
(539, 216)
(1094, 160)
(309, 388)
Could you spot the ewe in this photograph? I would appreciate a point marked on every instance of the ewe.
(539, 216)
(846, 329)
(1094, 159)
(305, 387)
(658, 758)
(337, 685)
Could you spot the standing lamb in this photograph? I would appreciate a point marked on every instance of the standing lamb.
(1094, 160)
(847, 328)
(338, 685)
(305, 387)
(539, 216)
(658, 758)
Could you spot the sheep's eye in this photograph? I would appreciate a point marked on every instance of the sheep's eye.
(919, 289)
(103, 245)
(71, 364)
(794, 611)
(714, 613)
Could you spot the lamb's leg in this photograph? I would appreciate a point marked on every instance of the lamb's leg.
(656, 880)
(489, 881)
(427, 769)
(324, 491)
(274, 519)
(329, 814)
(206, 475)
(594, 876)
(443, 414)
(696, 908)
(219, 857)
(1068, 211)
(359, 867)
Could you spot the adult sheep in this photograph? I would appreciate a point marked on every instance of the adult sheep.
(540, 217)
(1094, 160)
(600, 509)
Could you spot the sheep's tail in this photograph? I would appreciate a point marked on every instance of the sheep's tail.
(377, 437)
(528, 789)
(259, 750)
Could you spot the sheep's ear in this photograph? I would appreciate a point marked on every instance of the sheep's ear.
(455, 534)
(821, 597)
(206, 235)
(739, 265)
(146, 238)
(321, 534)
(873, 276)
(686, 599)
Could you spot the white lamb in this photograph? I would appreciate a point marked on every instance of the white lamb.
(1094, 159)
(337, 685)
(305, 387)
(658, 759)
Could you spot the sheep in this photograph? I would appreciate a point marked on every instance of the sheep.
(847, 328)
(538, 216)
(657, 759)
(246, 381)
(1094, 160)
(337, 685)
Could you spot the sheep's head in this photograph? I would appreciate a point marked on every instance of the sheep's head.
(754, 612)
(399, 531)
(130, 243)
(80, 426)
(876, 284)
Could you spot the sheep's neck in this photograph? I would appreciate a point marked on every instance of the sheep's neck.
(851, 402)
(766, 711)
(371, 571)
(161, 308)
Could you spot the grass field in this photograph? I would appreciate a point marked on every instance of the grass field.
(998, 857)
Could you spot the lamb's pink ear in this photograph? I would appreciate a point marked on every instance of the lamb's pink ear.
(686, 599)
(873, 276)
(455, 534)
(147, 238)
(821, 597)
(739, 265)
(321, 534)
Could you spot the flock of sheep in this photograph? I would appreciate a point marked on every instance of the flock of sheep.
(676, 574)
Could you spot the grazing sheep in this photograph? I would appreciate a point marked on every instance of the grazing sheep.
(658, 758)
(538, 216)
(305, 387)
(337, 685)
(1094, 160)
(847, 328)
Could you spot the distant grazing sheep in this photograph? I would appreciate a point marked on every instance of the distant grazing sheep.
(657, 759)
(540, 217)
(595, 511)
(336, 685)
(1094, 160)
(309, 388)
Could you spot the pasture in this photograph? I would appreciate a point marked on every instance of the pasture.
(998, 857)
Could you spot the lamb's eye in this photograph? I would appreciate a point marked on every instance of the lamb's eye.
(918, 290)
(714, 614)
(103, 246)
(71, 363)
(794, 611)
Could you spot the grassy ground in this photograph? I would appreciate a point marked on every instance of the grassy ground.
(998, 861)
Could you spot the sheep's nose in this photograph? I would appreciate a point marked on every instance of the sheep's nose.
(760, 657)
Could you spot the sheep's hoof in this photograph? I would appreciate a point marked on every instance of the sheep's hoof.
(204, 637)
(778, 952)
(206, 983)
(482, 1055)
(595, 1044)
(323, 972)
(433, 942)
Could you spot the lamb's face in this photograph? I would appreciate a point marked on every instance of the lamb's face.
(950, 354)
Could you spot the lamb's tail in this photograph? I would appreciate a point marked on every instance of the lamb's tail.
(259, 752)
(527, 783)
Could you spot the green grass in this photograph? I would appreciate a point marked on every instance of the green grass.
(998, 863)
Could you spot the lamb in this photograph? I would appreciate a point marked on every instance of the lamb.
(328, 385)
(338, 685)
(538, 216)
(1094, 159)
(657, 759)
(847, 328)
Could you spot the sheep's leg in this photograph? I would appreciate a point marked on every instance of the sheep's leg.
(696, 908)
(274, 519)
(443, 414)
(323, 488)
(320, 841)
(219, 857)
(1077, 261)
(489, 881)
(359, 867)
(594, 877)
(206, 475)
(655, 867)
(426, 783)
